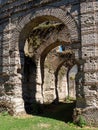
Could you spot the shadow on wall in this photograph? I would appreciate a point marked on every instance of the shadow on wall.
(29, 84)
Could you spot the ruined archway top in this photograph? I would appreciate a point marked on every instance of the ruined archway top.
(55, 39)
(38, 16)
(67, 62)
(59, 60)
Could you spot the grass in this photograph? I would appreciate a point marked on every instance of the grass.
(53, 118)
(35, 123)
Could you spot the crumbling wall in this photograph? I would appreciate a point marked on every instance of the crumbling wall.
(17, 18)
(87, 77)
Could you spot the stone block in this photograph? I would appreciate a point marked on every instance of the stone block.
(87, 7)
(91, 77)
(91, 64)
(89, 39)
(88, 51)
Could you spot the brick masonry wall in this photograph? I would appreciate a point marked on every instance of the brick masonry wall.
(89, 69)
(15, 24)
(14, 15)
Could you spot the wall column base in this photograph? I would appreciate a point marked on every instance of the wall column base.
(89, 114)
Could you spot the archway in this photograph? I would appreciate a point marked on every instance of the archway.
(35, 49)
(51, 69)
(57, 72)
(24, 30)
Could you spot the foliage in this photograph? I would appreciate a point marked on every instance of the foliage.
(35, 41)
(4, 113)
(82, 122)
(31, 44)
(71, 124)
(72, 77)
(45, 25)
(69, 99)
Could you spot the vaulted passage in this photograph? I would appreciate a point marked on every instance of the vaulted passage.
(48, 56)
(45, 54)
(40, 43)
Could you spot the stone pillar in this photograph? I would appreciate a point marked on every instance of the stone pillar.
(10, 80)
(71, 80)
(62, 85)
(16, 80)
(87, 88)
(49, 94)
(39, 85)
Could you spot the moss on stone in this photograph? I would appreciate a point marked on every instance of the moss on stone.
(31, 44)
(46, 25)
(62, 72)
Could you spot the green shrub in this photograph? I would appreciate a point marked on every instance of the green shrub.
(4, 113)
(69, 99)
(82, 122)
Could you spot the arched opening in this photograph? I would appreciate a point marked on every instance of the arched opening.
(54, 73)
(39, 37)
(34, 48)
(55, 90)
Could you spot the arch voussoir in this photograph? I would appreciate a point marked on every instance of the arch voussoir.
(51, 13)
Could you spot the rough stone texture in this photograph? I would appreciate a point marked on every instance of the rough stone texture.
(71, 77)
(22, 79)
(62, 84)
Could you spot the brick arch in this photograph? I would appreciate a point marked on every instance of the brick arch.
(62, 38)
(62, 16)
(63, 60)
(26, 24)
(46, 48)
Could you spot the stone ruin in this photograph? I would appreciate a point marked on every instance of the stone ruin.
(32, 69)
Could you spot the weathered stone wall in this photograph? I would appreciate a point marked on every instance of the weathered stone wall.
(14, 15)
(49, 94)
(17, 18)
(88, 69)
